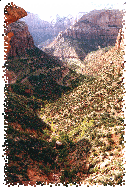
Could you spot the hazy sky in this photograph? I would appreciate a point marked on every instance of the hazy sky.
(47, 8)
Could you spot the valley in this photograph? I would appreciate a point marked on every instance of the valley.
(63, 106)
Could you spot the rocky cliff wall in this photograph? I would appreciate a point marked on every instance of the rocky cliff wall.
(93, 30)
(12, 13)
(20, 39)
(102, 24)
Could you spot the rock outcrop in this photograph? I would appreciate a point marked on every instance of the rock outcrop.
(120, 40)
(12, 14)
(99, 28)
(21, 39)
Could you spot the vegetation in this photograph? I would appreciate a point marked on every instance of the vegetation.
(22, 111)
(75, 137)
(41, 78)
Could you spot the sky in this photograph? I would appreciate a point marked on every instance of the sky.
(48, 9)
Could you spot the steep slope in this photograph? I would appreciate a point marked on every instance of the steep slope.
(95, 61)
(63, 126)
(40, 30)
(21, 118)
(89, 121)
(29, 69)
(43, 32)
(39, 75)
(94, 30)
(12, 13)
(19, 114)
(21, 39)
(85, 139)
(32, 72)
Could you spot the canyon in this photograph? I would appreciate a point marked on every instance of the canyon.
(64, 126)
(44, 32)
(94, 30)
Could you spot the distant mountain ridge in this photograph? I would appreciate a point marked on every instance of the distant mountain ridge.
(29, 70)
(44, 31)
(39, 29)
(98, 28)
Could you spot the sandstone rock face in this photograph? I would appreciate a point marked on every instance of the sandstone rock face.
(12, 13)
(7, 39)
(103, 24)
(93, 30)
(120, 40)
(21, 39)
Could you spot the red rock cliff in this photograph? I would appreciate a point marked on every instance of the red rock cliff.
(12, 13)
(99, 28)
(21, 39)
(98, 24)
